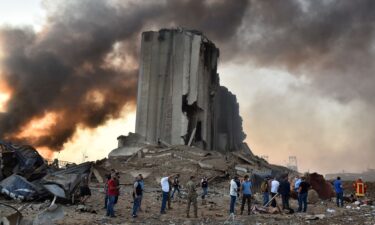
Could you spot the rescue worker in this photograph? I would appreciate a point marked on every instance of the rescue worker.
(192, 197)
(360, 188)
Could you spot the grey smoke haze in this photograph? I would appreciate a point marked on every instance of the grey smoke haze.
(330, 43)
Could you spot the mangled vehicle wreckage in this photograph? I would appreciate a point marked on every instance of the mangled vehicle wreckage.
(25, 175)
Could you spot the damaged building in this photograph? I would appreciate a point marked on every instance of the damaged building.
(180, 100)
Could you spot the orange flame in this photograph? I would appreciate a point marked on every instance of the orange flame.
(5, 94)
(38, 126)
(46, 153)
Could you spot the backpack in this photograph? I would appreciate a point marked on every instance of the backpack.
(264, 186)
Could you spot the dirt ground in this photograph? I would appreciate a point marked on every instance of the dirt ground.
(215, 211)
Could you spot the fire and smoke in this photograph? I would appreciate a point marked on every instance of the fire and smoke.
(81, 68)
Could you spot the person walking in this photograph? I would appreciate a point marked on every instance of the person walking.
(302, 195)
(142, 182)
(284, 191)
(233, 194)
(339, 192)
(192, 197)
(274, 190)
(204, 185)
(246, 194)
(112, 193)
(176, 185)
(165, 187)
(264, 187)
(137, 193)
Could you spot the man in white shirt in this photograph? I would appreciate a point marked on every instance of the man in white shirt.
(165, 189)
(233, 194)
(274, 189)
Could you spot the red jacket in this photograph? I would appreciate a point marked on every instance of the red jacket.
(112, 188)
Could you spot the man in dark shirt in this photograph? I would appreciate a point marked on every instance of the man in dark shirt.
(176, 185)
(117, 184)
(302, 195)
(137, 193)
(204, 185)
(85, 191)
(284, 191)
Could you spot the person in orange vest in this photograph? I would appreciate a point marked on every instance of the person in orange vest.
(360, 188)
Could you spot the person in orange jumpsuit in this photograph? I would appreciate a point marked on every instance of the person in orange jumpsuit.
(359, 188)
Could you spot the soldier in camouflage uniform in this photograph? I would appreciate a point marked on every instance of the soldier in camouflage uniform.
(192, 197)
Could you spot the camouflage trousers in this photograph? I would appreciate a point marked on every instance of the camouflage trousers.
(192, 200)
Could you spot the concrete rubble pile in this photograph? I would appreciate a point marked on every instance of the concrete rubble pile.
(155, 161)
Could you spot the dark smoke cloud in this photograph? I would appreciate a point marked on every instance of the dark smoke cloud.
(332, 42)
(58, 69)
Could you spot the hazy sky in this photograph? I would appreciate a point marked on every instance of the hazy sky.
(304, 84)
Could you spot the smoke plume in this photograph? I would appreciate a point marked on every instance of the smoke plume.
(82, 66)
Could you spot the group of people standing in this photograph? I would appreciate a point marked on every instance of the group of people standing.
(191, 186)
(112, 192)
(271, 186)
(236, 188)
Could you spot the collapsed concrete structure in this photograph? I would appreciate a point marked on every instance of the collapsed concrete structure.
(180, 100)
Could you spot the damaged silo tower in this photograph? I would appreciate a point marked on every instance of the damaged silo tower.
(177, 88)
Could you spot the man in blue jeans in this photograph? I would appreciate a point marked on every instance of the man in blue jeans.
(165, 189)
(233, 194)
(112, 193)
(137, 193)
(246, 194)
(176, 186)
(339, 192)
(302, 195)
